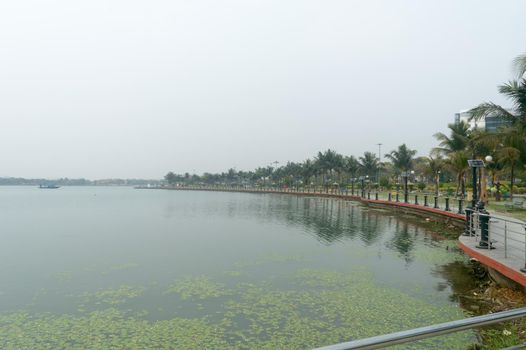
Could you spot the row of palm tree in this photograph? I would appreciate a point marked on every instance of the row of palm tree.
(448, 160)
(326, 169)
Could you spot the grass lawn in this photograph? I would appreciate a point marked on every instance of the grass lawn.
(499, 208)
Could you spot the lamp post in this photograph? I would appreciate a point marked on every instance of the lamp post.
(483, 190)
(362, 179)
(406, 187)
(406, 175)
(483, 220)
(438, 183)
(379, 162)
(474, 196)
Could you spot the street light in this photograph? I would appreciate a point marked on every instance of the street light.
(483, 185)
(405, 175)
(379, 162)
(479, 207)
(474, 164)
(362, 179)
(438, 183)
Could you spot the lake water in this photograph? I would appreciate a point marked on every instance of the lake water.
(112, 267)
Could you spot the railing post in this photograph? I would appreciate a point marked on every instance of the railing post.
(484, 242)
(376, 196)
(524, 268)
(416, 199)
(436, 202)
(460, 206)
(397, 197)
(469, 218)
(389, 196)
(425, 201)
(368, 195)
(505, 239)
(447, 204)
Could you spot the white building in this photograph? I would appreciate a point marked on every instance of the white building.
(490, 123)
(464, 115)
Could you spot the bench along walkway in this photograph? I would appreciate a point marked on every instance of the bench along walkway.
(507, 236)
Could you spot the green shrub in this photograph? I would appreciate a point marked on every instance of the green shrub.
(384, 182)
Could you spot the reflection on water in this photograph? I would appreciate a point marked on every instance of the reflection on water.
(230, 269)
(329, 220)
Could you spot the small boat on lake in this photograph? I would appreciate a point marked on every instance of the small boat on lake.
(48, 186)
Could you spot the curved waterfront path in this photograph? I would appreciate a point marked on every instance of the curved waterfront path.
(508, 236)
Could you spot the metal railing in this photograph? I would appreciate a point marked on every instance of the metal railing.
(412, 335)
(506, 236)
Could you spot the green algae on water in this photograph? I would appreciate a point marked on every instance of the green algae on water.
(200, 287)
(318, 308)
(113, 296)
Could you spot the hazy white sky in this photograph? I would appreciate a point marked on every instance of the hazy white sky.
(128, 88)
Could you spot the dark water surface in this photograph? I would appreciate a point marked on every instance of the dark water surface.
(95, 267)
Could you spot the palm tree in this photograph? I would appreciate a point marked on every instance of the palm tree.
(329, 162)
(515, 91)
(457, 141)
(307, 171)
(352, 166)
(509, 142)
(519, 65)
(369, 163)
(509, 157)
(434, 167)
(402, 158)
(458, 163)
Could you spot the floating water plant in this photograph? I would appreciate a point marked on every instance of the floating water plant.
(200, 287)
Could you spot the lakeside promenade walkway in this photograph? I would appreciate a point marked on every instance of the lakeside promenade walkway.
(508, 235)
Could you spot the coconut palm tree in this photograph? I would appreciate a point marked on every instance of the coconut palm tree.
(457, 162)
(519, 66)
(351, 166)
(402, 158)
(369, 164)
(307, 171)
(515, 91)
(509, 157)
(457, 141)
(434, 166)
(509, 142)
(329, 163)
